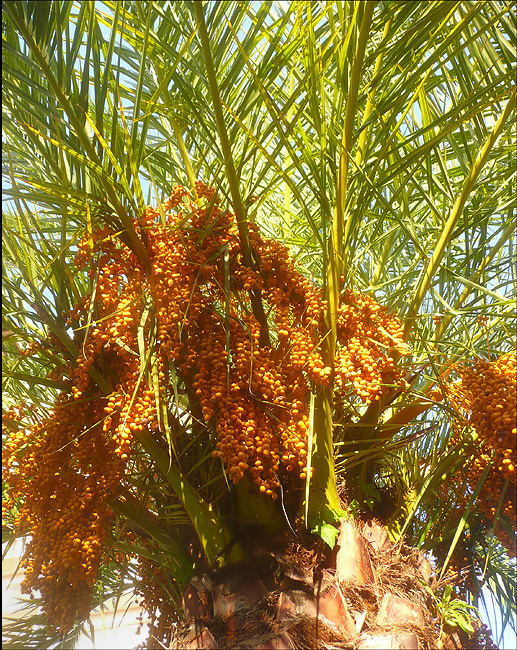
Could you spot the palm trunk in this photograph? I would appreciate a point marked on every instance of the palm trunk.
(368, 593)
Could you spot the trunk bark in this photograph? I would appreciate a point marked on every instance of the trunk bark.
(366, 594)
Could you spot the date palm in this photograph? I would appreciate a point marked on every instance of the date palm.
(374, 140)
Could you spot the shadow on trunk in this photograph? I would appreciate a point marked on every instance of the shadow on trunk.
(367, 593)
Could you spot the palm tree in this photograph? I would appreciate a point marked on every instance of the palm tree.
(278, 402)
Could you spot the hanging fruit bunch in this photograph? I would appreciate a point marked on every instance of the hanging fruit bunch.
(246, 373)
(62, 468)
(156, 601)
(486, 393)
(366, 333)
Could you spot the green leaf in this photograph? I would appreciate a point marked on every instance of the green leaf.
(327, 532)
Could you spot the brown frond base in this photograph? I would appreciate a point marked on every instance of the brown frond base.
(372, 595)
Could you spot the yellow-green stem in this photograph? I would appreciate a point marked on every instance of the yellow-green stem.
(233, 180)
(323, 493)
(212, 533)
(179, 139)
(238, 206)
(359, 156)
(341, 231)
